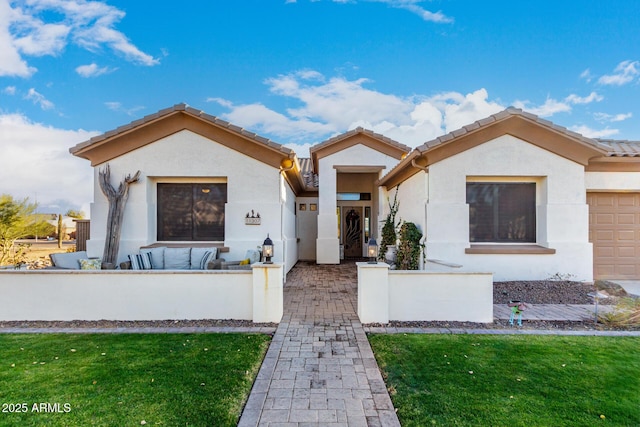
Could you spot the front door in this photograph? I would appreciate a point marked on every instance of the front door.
(352, 229)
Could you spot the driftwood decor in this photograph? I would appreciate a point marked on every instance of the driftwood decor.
(117, 200)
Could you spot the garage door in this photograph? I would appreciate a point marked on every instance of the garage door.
(614, 230)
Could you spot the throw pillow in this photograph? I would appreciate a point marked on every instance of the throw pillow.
(200, 257)
(245, 261)
(177, 258)
(141, 261)
(157, 256)
(90, 264)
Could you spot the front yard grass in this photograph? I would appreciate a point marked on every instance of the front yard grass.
(484, 380)
(127, 379)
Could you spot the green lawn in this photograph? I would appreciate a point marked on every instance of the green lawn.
(127, 379)
(484, 380)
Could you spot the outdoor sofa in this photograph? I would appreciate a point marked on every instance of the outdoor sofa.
(186, 258)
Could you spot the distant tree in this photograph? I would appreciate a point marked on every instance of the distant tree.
(18, 219)
(75, 214)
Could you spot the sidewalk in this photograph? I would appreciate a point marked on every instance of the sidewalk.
(320, 369)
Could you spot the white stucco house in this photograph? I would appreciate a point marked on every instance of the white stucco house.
(511, 194)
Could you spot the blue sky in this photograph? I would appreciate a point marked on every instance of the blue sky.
(299, 72)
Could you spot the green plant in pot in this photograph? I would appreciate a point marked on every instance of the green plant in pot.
(388, 233)
(409, 248)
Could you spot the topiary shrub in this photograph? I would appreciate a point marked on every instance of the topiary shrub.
(409, 248)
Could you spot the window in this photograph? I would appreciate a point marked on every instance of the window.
(502, 212)
(191, 212)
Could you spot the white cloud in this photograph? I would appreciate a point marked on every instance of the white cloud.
(586, 75)
(592, 97)
(9, 90)
(89, 24)
(117, 106)
(624, 73)
(460, 110)
(92, 70)
(39, 99)
(604, 117)
(412, 6)
(328, 107)
(36, 161)
(594, 133)
(549, 108)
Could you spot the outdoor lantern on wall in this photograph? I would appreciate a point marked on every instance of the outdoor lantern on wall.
(267, 250)
(372, 251)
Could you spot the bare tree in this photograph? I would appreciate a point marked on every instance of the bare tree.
(117, 200)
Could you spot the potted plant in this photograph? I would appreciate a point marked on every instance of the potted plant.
(388, 234)
(408, 253)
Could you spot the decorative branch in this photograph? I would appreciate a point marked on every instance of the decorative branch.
(117, 200)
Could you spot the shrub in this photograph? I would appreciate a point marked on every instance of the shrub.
(389, 236)
(408, 255)
(625, 313)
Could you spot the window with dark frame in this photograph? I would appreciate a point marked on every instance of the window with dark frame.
(191, 212)
(502, 212)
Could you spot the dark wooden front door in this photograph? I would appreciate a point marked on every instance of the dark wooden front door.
(352, 229)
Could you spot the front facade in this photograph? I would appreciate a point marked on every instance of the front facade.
(511, 194)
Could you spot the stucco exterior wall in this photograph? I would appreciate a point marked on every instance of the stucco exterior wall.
(126, 295)
(612, 181)
(188, 157)
(307, 228)
(441, 295)
(289, 234)
(413, 195)
(143, 295)
(562, 214)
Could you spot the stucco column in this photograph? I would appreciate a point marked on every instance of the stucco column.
(327, 243)
(268, 296)
(373, 292)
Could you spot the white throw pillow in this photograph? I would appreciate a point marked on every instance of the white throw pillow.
(200, 257)
(157, 256)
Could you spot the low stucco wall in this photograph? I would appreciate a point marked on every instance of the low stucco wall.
(458, 296)
(142, 295)
(385, 295)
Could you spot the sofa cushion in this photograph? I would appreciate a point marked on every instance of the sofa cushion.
(177, 258)
(157, 256)
(253, 255)
(200, 257)
(69, 260)
(141, 261)
(90, 264)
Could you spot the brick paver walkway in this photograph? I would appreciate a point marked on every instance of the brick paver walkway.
(319, 369)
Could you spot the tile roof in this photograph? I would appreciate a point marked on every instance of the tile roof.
(191, 111)
(620, 148)
(364, 131)
(508, 112)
